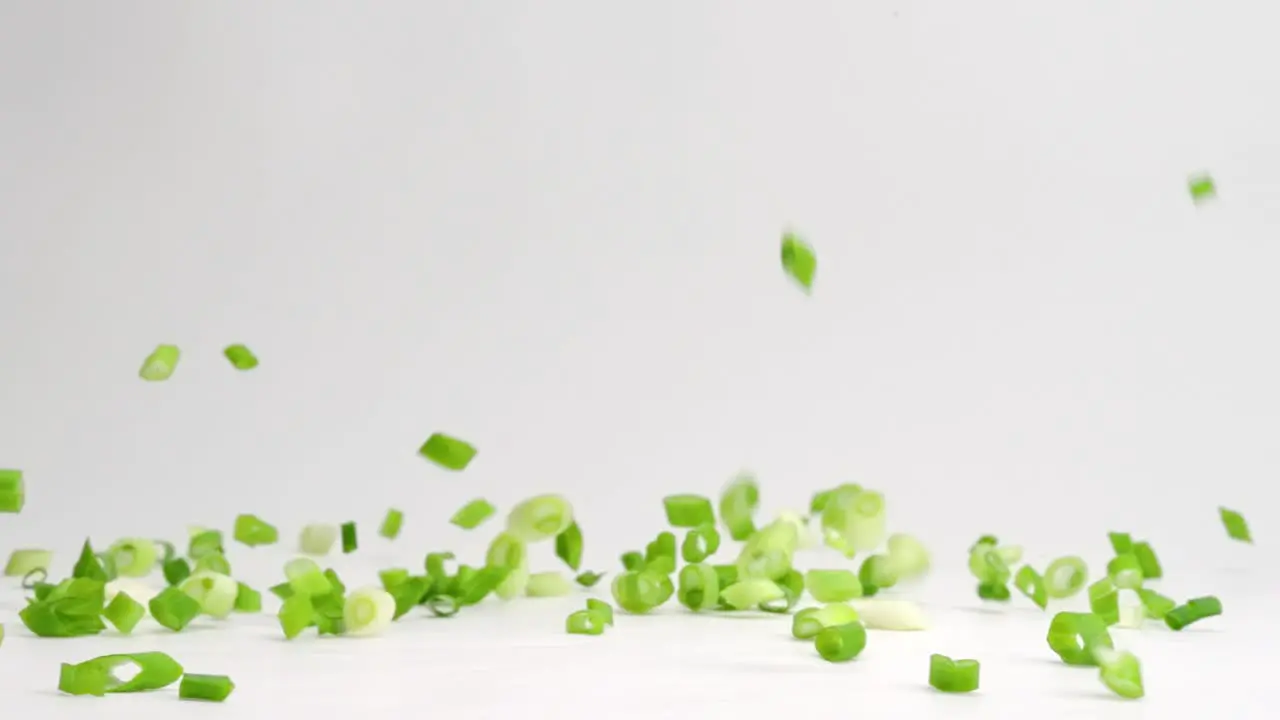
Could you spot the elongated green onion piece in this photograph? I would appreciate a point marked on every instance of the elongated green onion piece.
(124, 613)
(23, 562)
(548, 584)
(1193, 611)
(953, 676)
(1121, 542)
(1202, 188)
(471, 515)
(349, 543)
(1065, 577)
(134, 557)
(809, 622)
(174, 609)
(909, 556)
(752, 592)
(829, 586)
(901, 615)
(205, 542)
(1104, 601)
(1237, 528)
(638, 592)
(1147, 560)
(317, 539)
(738, 503)
(1155, 604)
(306, 578)
(449, 453)
(857, 516)
(72, 608)
(660, 555)
(13, 493)
(253, 531)
(215, 592)
(584, 622)
(589, 578)
(1125, 571)
(841, 643)
(1121, 672)
(569, 546)
(247, 600)
(160, 364)
(1030, 584)
(368, 611)
(688, 511)
(539, 518)
(1076, 637)
(241, 357)
(153, 670)
(700, 543)
(209, 688)
(295, 615)
(989, 564)
(509, 551)
(798, 261)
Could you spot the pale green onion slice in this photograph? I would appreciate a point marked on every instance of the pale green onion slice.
(124, 613)
(841, 643)
(638, 592)
(134, 557)
(1030, 584)
(1193, 611)
(805, 537)
(901, 615)
(1202, 188)
(876, 573)
(539, 518)
(23, 562)
(509, 551)
(799, 261)
(908, 555)
(101, 675)
(858, 516)
(809, 622)
(1065, 577)
(688, 511)
(699, 587)
(391, 524)
(569, 546)
(1125, 572)
(318, 539)
(1237, 528)
(953, 676)
(1131, 616)
(13, 493)
(831, 586)
(548, 584)
(253, 531)
(306, 578)
(241, 357)
(216, 593)
(1120, 671)
(1104, 601)
(752, 592)
(160, 364)
(1148, 561)
(449, 453)
(700, 543)
(216, 562)
(473, 514)
(1155, 604)
(738, 502)
(768, 553)
(584, 622)
(368, 611)
(998, 591)
(600, 609)
(1076, 637)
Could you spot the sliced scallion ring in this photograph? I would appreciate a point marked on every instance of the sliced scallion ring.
(1065, 577)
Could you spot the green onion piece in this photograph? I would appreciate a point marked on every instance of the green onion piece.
(841, 643)
(152, 671)
(390, 528)
(216, 562)
(900, 615)
(409, 593)
(295, 615)
(13, 493)
(751, 592)
(1104, 601)
(241, 357)
(809, 622)
(448, 452)
(877, 572)
(688, 511)
(169, 551)
(254, 531)
(24, 562)
(909, 556)
(392, 577)
(284, 590)
(306, 578)
(509, 551)
(82, 679)
(996, 591)
(798, 261)
(600, 609)
(768, 553)
(174, 608)
(349, 544)
(1148, 561)
(134, 557)
(738, 502)
(953, 676)
(72, 608)
(176, 570)
(700, 543)
(856, 516)
(471, 515)
(1030, 584)
(541, 517)
(1237, 528)
(1125, 571)
(1193, 611)
(247, 600)
(215, 592)
(583, 622)
(830, 586)
(1076, 637)
(548, 584)
(205, 542)
(660, 555)
(368, 611)
(1157, 606)
(209, 688)
(1121, 672)
(1202, 188)
(1121, 542)
(792, 585)
(472, 587)
(990, 540)
(819, 501)
(588, 579)
(88, 565)
(569, 546)
(124, 613)
(435, 565)
(988, 564)
(638, 592)
(317, 539)
(632, 560)
(1065, 577)
(160, 364)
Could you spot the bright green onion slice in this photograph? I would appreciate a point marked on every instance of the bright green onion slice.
(569, 546)
(1157, 606)
(306, 578)
(660, 555)
(390, 528)
(176, 570)
(909, 556)
(448, 452)
(830, 586)
(901, 615)
(253, 531)
(23, 562)
(638, 592)
(632, 560)
(124, 613)
(216, 562)
(1121, 672)
(160, 364)
(699, 587)
(589, 578)
(738, 502)
(700, 543)
(1125, 571)
(349, 540)
(799, 261)
(600, 609)
(792, 585)
(1076, 637)
(1121, 542)
(392, 577)
(72, 608)
(247, 600)
(473, 514)
(548, 584)
(1030, 584)
(209, 688)
(539, 518)
(1202, 188)
(997, 591)
(241, 357)
(688, 511)
(1193, 611)
(1104, 601)
(215, 592)
(841, 643)
(317, 539)
(752, 592)
(174, 608)
(152, 671)
(436, 565)
(809, 622)
(509, 551)
(1065, 577)
(1148, 561)
(368, 611)
(13, 493)
(1237, 528)
(295, 615)
(584, 622)
(88, 565)
(953, 676)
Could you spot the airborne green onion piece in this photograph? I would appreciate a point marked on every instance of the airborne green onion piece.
(247, 600)
(909, 556)
(35, 578)
(1121, 672)
(392, 577)
(1157, 606)
(688, 511)
(539, 518)
(435, 565)
(752, 592)
(738, 502)
(349, 544)
(1125, 571)
(988, 564)
(205, 542)
(548, 584)
(210, 688)
(509, 551)
(798, 260)
(13, 494)
(176, 570)
(124, 613)
(448, 452)
(809, 622)
(153, 670)
(768, 553)
(1076, 637)
(830, 586)
(1121, 542)
(1202, 188)
(1031, 584)
(160, 364)
(841, 643)
(953, 676)
(241, 357)
(660, 555)
(23, 562)
(174, 609)
(1065, 577)
(215, 592)
(88, 565)
(996, 591)
(876, 573)
(600, 609)
(134, 557)
(72, 608)
(317, 539)
(1104, 601)
(368, 611)
(1193, 611)
(1148, 561)
(295, 615)
(792, 585)
(254, 531)
(632, 560)
(1237, 528)
(306, 578)
(819, 501)
(569, 546)
(471, 515)
(390, 528)
(700, 543)
(584, 622)
(638, 592)
(856, 516)
(901, 615)
(588, 579)
(699, 587)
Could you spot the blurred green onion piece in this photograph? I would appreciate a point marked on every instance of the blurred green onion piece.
(688, 511)
(448, 452)
(253, 531)
(209, 688)
(241, 357)
(953, 676)
(23, 562)
(1237, 528)
(471, 515)
(390, 528)
(160, 364)
(799, 260)
(841, 643)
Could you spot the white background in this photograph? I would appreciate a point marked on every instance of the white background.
(552, 228)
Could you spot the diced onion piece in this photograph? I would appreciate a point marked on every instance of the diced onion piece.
(160, 364)
(589, 578)
(152, 671)
(548, 584)
(449, 453)
(248, 600)
(13, 493)
(699, 587)
(1237, 528)
(124, 613)
(700, 543)
(1065, 577)
(368, 611)
(841, 643)
(901, 615)
(173, 608)
(1076, 637)
(1121, 672)
(473, 514)
(831, 586)
(638, 592)
(908, 555)
(215, 592)
(1104, 601)
(1030, 584)
(1121, 542)
(857, 516)
(23, 562)
(583, 622)
(799, 261)
(1193, 611)
(877, 572)
(539, 518)
(349, 540)
(253, 531)
(209, 688)
(317, 539)
(241, 357)
(738, 502)
(569, 546)
(1125, 571)
(768, 553)
(688, 511)
(809, 622)
(1202, 188)
(510, 552)
(953, 676)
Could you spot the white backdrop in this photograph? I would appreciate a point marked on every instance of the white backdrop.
(552, 228)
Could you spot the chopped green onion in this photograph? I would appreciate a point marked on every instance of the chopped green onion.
(241, 357)
(317, 539)
(809, 622)
(752, 592)
(390, 528)
(988, 564)
(174, 608)
(1065, 577)
(856, 516)
(176, 570)
(1104, 601)
(569, 546)
(799, 261)
(1193, 611)
(792, 586)
(13, 493)
(638, 592)
(134, 557)
(990, 540)
(29, 580)
(392, 577)
(909, 556)
(330, 617)
(953, 676)
(409, 593)
(1202, 188)
(830, 586)
(210, 688)
(88, 565)
(660, 555)
(688, 511)
(215, 562)
(1147, 561)
(1157, 606)
(738, 502)
(768, 553)
(584, 622)
(819, 501)
(877, 572)
(205, 542)
(841, 643)
(448, 452)
(306, 578)
(124, 613)
(72, 608)
(600, 609)
(700, 543)
(1076, 637)
(435, 566)
(247, 600)
(254, 531)
(699, 587)
(1237, 528)
(1125, 571)
(901, 615)
(541, 517)
(471, 515)
(24, 562)
(588, 579)
(1030, 584)
(349, 544)
(548, 584)
(632, 560)
(996, 591)
(1121, 672)
(1121, 542)
(368, 611)
(153, 670)
(215, 592)
(509, 551)
(444, 605)
(160, 364)
(295, 615)
(1131, 616)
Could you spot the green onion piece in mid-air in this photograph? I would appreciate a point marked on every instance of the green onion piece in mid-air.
(799, 261)
(632, 560)
(1125, 571)
(448, 452)
(1031, 584)
(1148, 561)
(588, 579)
(134, 557)
(247, 600)
(349, 540)
(856, 516)
(876, 573)
(768, 553)
(295, 615)
(512, 553)
(841, 643)
(176, 570)
(699, 587)
(909, 555)
(660, 555)
(174, 608)
(13, 493)
(253, 531)
(738, 503)
(306, 578)
(205, 542)
(688, 511)
(1076, 637)
(216, 562)
(390, 528)
(215, 592)
(548, 584)
(241, 357)
(1237, 528)
(124, 613)
(1121, 542)
(1193, 611)
(819, 501)
(392, 577)
(160, 364)
(600, 609)
(1154, 604)
(210, 688)
(72, 608)
(317, 539)
(23, 562)
(1065, 577)
(792, 586)
(809, 622)
(1121, 672)
(700, 543)
(1104, 601)
(1202, 188)
(539, 518)
(584, 622)
(152, 671)
(996, 591)
(953, 676)
(473, 514)
(88, 565)
(829, 586)
(569, 546)
(640, 591)
(751, 592)
(368, 611)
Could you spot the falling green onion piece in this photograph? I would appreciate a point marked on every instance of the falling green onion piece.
(134, 557)
(909, 556)
(830, 586)
(1237, 528)
(23, 562)
(317, 539)
(448, 452)
(1065, 577)
(13, 494)
(1104, 601)
(738, 502)
(1121, 672)
(819, 501)
(1075, 637)
(688, 511)
(1121, 542)
(1125, 572)
(176, 570)
(699, 587)
(247, 599)
(214, 562)
(254, 531)
(809, 622)
(1031, 584)
(996, 591)
(1202, 188)
(876, 573)
(72, 608)
(160, 364)
(632, 560)
(600, 609)
(799, 261)
(124, 613)
(953, 676)
(509, 551)
(841, 643)
(209, 688)
(569, 547)
(660, 555)
(584, 622)
(639, 592)
(205, 542)
(1157, 606)
(216, 593)
(306, 578)
(539, 518)
(174, 608)
(88, 565)
(700, 543)
(1193, 611)
(471, 515)
(855, 516)
(241, 357)
(548, 584)
(349, 544)
(368, 611)
(295, 615)
(588, 579)
(1147, 561)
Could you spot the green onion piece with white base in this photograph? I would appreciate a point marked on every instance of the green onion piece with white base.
(23, 562)
(831, 586)
(548, 584)
(539, 518)
(901, 615)
(856, 516)
(1234, 522)
(134, 557)
(841, 643)
(160, 364)
(799, 261)
(768, 553)
(1120, 671)
(368, 611)
(1065, 577)
(1125, 572)
(1076, 637)
(317, 539)
(216, 593)
(738, 503)
(809, 622)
